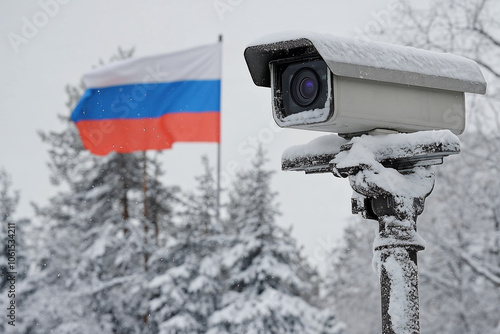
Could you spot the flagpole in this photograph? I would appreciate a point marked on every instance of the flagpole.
(218, 148)
(145, 207)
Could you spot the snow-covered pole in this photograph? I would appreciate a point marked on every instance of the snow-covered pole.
(395, 249)
(391, 177)
(395, 198)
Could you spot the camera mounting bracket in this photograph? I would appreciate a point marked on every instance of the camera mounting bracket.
(398, 151)
(391, 178)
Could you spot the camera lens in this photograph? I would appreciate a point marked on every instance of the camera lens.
(305, 87)
(308, 88)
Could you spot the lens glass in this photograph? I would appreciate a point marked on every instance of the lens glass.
(308, 88)
(305, 87)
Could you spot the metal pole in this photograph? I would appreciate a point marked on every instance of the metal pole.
(391, 180)
(146, 211)
(396, 248)
(218, 181)
(391, 293)
(396, 206)
(145, 184)
(218, 153)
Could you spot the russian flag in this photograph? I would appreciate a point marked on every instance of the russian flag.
(150, 103)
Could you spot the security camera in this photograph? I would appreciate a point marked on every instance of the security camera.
(327, 83)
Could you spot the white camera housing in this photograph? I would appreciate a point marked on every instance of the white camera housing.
(326, 83)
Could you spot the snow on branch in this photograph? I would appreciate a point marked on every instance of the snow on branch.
(110, 284)
(481, 269)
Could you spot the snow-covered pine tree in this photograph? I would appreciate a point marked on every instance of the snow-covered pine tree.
(269, 287)
(351, 285)
(460, 273)
(161, 202)
(186, 272)
(95, 239)
(90, 245)
(13, 250)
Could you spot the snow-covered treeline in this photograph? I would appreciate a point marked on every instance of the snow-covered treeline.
(118, 251)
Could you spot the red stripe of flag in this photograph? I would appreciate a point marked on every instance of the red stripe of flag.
(101, 136)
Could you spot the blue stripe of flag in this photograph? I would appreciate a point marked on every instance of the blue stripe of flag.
(148, 100)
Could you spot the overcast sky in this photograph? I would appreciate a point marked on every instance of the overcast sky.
(47, 44)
